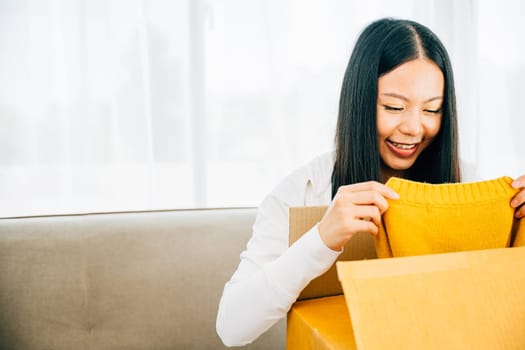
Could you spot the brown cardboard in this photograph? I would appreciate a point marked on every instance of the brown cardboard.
(465, 300)
(321, 324)
(361, 246)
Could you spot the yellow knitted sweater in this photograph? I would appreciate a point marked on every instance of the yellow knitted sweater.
(442, 218)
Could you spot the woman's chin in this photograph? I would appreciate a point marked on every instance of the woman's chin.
(399, 166)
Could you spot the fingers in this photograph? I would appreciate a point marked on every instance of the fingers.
(518, 202)
(366, 227)
(367, 213)
(520, 213)
(519, 182)
(363, 198)
(355, 208)
(336, 233)
(371, 186)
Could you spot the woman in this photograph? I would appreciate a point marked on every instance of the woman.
(397, 117)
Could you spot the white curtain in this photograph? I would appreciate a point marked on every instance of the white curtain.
(111, 105)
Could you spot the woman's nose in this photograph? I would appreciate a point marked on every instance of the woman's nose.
(411, 123)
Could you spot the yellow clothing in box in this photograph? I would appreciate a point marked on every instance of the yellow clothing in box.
(429, 218)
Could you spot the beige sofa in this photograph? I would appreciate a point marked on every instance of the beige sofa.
(141, 280)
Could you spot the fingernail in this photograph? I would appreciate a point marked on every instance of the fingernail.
(514, 202)
(395, 195)
(516, 184)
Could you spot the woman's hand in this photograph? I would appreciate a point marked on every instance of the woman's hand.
(355, 208)
(518, 201)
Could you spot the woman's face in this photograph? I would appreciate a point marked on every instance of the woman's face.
(409, 113)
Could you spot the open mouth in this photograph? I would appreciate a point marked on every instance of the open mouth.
(403, 145)
(402, 149)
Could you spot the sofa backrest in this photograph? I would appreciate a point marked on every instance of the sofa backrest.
(141, 280)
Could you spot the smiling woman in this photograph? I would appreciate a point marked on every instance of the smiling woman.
(409, 108)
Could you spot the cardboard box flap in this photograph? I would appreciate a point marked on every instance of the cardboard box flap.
(465, 300)
(361, 246)
(320, 324)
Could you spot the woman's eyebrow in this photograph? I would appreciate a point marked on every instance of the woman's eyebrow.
(434, 98)
(404, 98)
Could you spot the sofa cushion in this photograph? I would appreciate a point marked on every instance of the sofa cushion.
(142, 280)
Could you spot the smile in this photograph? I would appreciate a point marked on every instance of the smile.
(403, 145)
(402, 150)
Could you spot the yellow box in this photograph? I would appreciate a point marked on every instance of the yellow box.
(321, 323)
(461, 300)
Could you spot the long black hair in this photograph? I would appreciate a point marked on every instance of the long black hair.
(382, 46)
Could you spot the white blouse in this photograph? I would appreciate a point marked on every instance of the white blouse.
(271, 275)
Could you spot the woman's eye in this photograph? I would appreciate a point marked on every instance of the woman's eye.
(433, 111)
(392, 108)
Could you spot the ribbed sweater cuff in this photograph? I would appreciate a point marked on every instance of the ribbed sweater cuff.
(451, 193)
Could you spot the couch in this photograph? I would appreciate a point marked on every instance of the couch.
(134, 280)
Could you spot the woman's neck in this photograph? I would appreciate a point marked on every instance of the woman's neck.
(387, 173)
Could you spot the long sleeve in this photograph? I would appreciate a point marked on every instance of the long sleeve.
(271, 275)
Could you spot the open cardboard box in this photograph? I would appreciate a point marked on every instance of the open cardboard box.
(463, 300)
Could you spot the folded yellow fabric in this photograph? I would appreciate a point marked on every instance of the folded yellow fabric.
(429, 218)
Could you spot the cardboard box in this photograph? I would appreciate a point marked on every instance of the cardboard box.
(320, 323)
(464, 300)
(361, 246)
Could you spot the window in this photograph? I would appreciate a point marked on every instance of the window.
(119, 105)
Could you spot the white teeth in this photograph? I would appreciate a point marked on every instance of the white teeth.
(403, 145)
